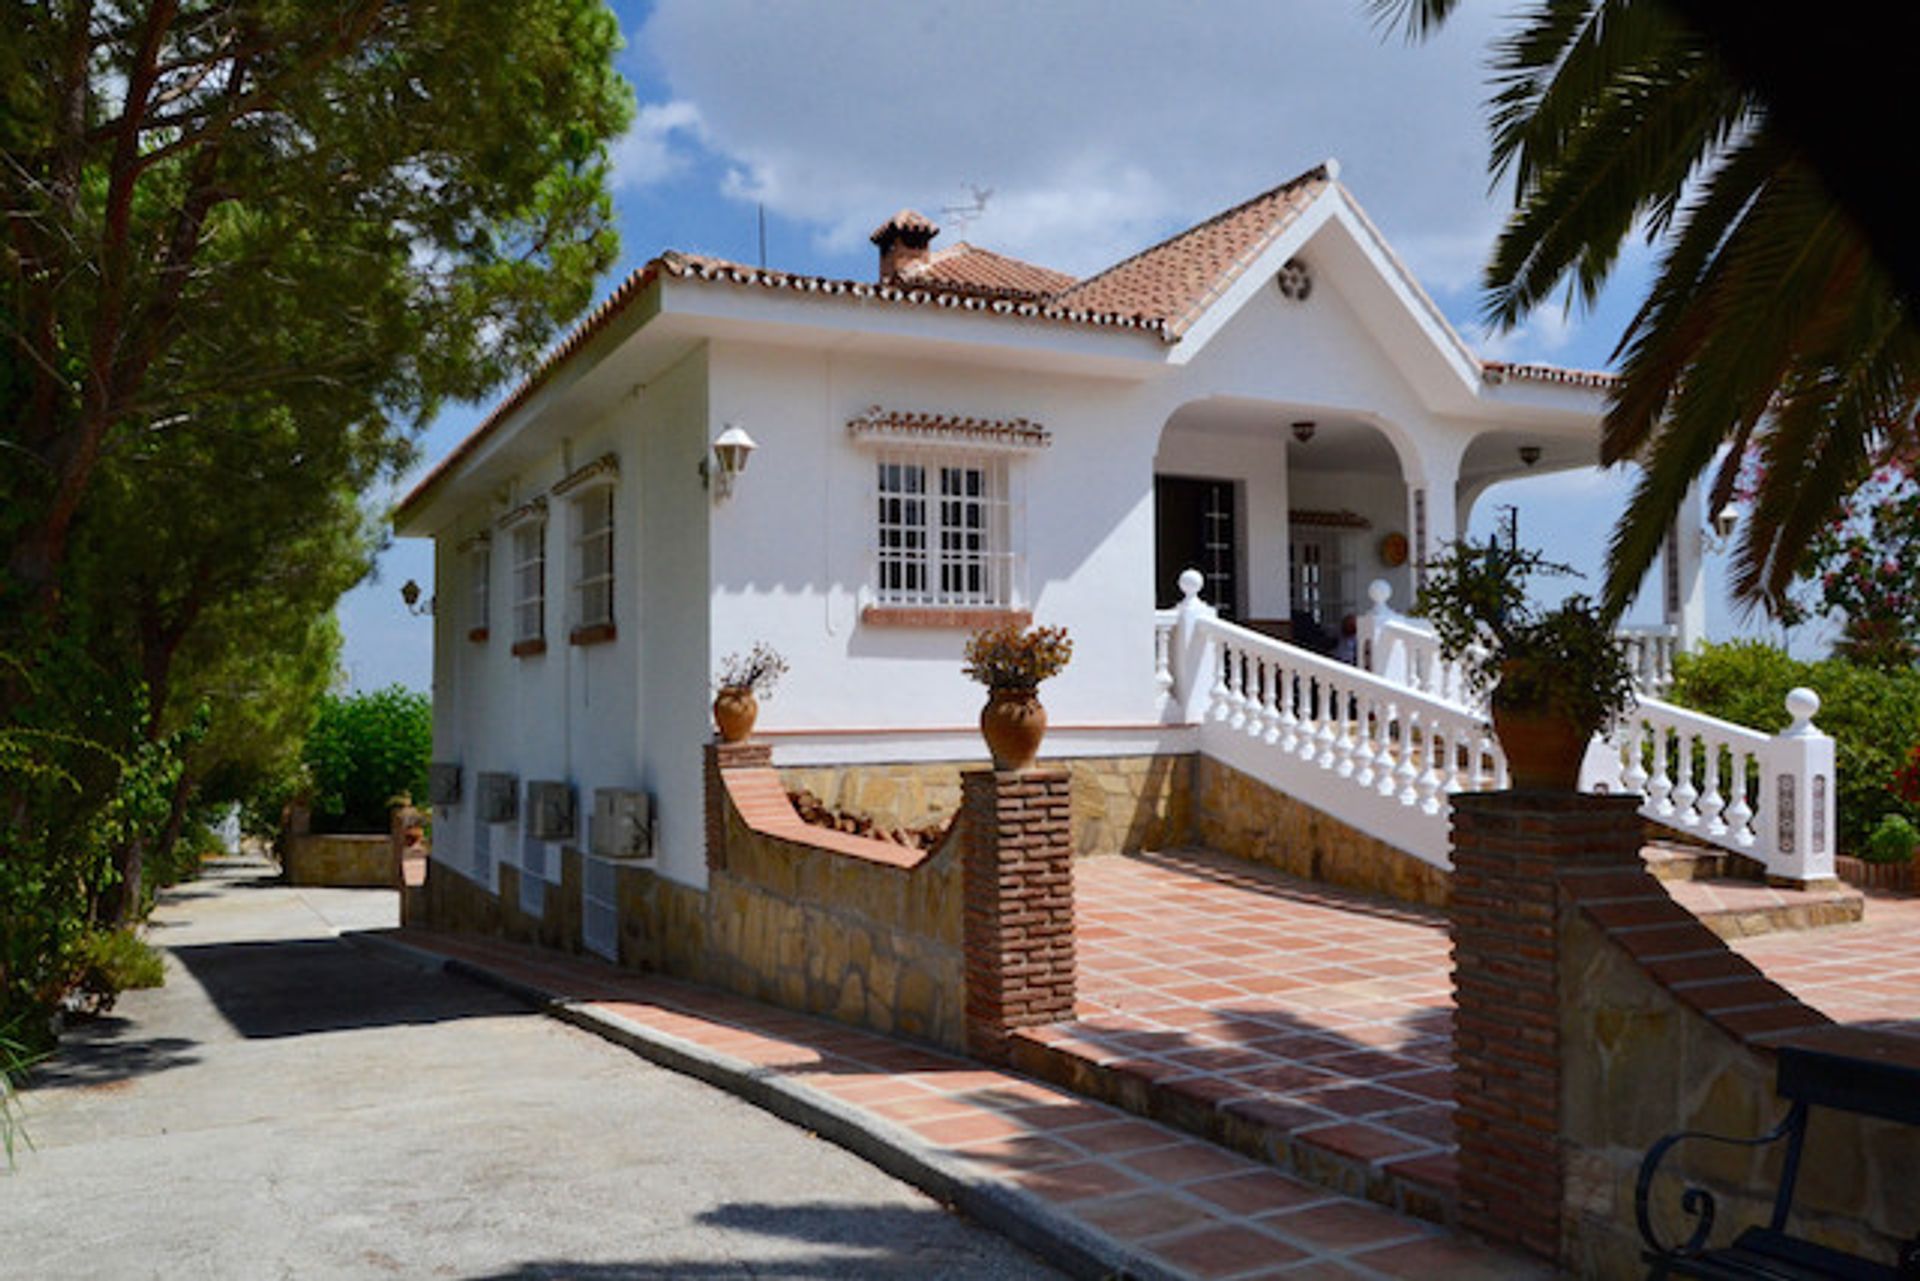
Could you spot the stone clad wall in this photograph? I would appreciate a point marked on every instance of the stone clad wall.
(860, 930)
(1121, 804)
(346, 861)
(1237, 814)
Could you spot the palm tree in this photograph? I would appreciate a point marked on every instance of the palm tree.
(1772, 338)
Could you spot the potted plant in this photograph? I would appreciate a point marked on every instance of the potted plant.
(1011, 663)
(1552, 677)
(743, 680)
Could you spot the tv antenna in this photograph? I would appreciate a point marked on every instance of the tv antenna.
(960, 215)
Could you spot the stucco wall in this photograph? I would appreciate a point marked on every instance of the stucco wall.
(613, 714)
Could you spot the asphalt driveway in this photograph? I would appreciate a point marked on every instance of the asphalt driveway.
(293, 1106)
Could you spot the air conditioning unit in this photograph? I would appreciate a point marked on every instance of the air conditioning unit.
(499, 798)
(549, 810)
(622, 823)
(443, 783)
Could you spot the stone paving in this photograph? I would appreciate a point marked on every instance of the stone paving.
(1185, 1207)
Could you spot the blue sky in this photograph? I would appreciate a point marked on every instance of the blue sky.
(1098, 126)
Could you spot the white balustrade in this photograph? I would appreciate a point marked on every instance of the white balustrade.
(1371, 753)
(1381, 747)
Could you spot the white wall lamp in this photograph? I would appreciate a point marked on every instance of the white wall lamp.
(1725, 521)
(410, 597)
(731, 449)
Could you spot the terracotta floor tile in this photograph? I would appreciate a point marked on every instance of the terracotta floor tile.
(1185, 1163)
(1145, 1214)
(1344, 1225)
(952, 1131)
(1020, 1152)
(1115, 1137)
(1451, 1257)
(1257, 1192)
(1081, 1181)
(1225, 1251)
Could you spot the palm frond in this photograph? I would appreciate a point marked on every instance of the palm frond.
(1637, 149)
(1415, 19)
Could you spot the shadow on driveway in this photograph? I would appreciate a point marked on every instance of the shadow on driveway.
(300, 987)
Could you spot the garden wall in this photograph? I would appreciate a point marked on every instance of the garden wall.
(1595, 1016)
(1121, 804)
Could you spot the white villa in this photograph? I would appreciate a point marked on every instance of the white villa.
(1268, 398)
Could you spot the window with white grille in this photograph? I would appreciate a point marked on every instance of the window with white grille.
(479, 589)
(945, 530)
(593, 557)
(530, 580)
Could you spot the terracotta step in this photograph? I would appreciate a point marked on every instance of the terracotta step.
(1348, 1159)
(1742, 909)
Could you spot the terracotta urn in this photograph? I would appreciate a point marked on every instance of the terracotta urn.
(1544, 752)
(1013, 723)
(734, 710)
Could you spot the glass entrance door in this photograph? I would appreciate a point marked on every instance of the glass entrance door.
(1194, 527)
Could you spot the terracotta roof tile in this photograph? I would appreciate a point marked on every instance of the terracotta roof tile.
(964, 264)
(1498, 370)
(1175, 281)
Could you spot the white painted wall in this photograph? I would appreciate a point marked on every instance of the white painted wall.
(793, 550)
(587, 714)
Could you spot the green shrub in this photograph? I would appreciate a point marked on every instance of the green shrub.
(116, 961)
(1873, 715)
(1892, 841)
(16, 1056)
(364, 750)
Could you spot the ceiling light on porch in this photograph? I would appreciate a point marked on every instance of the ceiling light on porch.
(1529, 454)
(1303, 430)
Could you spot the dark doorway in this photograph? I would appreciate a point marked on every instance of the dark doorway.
(1194, 526)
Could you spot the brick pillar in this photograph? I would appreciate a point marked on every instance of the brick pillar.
(726, 756)
(1515, 857)
(1017, 876)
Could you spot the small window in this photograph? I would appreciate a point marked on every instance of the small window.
(593, 565)
(530, 586)
(479, 591)
(944, 531)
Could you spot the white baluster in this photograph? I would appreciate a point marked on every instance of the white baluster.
(1432, 783)
(1684, 792)
(1328, 738)
(1660, 785)
(1260, 696)
(1344, 746)
(1711, 801)
(1366, 732)
(1452, 776)
(1270, 677)
(1313, 714)
(1633, 775)
(1163, 658)
(1220, 697)
(1739, 813)
(1387, 770)
(1289, 723)
(1406, 773)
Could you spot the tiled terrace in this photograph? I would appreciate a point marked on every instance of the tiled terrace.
(1315, 1024)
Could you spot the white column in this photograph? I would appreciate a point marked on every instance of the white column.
(1194, 659)
(1798, 797)
(1683, 587)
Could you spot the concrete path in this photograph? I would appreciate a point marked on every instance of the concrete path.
(293, 1106)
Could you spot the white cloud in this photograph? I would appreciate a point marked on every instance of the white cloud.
(1101, 125)
(647, 154)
